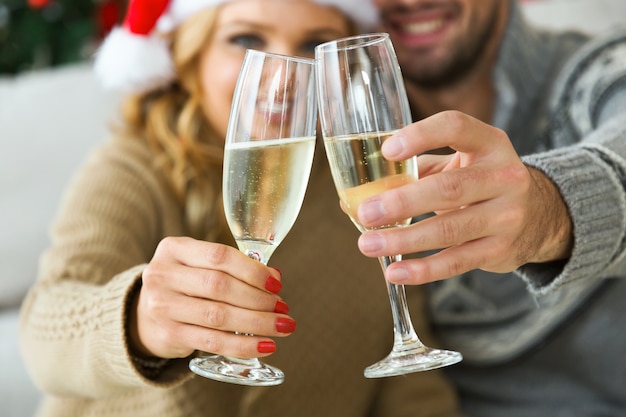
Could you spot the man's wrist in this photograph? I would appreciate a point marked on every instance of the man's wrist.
(553, 224)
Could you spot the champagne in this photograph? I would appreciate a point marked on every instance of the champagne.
(360, 171)
(264, 186)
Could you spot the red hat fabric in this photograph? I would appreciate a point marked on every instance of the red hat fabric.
(135, 58)
(38, 4)
(142, 15)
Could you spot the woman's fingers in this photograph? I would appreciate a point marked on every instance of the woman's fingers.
(165, 320)
(199, 324)
(211, 284)
(211, 256)
(226, 317)
(229, 344)
(196, 294)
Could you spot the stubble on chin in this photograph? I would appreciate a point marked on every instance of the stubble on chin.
(434, 69)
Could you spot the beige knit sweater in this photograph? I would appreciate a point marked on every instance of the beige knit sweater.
(115, 212)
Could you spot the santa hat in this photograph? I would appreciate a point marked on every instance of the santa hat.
(136, 58)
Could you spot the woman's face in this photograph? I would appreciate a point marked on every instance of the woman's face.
(291, 27)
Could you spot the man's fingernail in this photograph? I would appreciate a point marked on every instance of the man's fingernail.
(397, 275)
(394, 146)
(371, 242)
(371, 210)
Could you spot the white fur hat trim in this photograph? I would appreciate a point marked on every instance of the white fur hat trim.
(131, 62)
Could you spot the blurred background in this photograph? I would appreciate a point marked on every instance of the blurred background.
(36, 34)
(43, 33)
(53, 113)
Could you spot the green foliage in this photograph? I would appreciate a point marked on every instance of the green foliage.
(61, 32)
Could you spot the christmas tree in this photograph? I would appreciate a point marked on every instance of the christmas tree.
(44, 33)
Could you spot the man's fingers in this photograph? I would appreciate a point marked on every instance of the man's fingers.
(447, 191)
(451, 129)
(434, 233)
(446, 263)
(453, 228)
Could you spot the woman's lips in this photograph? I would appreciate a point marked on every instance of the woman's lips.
(275, 112)
(275, 107)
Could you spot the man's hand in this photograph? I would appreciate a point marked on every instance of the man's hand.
(492, 212)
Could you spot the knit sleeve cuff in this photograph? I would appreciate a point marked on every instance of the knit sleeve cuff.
(116, 352)
(594, 197)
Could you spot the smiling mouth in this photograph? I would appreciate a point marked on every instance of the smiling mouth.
(275, 108)
(275, 113)
(422, 28)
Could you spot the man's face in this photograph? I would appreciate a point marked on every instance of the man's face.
(440, 41)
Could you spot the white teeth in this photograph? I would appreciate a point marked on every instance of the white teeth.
(422, 28)
(273, 107)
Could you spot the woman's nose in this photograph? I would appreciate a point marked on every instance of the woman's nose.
(279, 76)
(283, 48)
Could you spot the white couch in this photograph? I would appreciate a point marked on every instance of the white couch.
(49, 121)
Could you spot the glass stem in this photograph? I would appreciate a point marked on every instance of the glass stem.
(256, 256)
(404, 335)
(254, 362)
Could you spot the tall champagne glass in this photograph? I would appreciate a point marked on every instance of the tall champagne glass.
(267, 161)
(362, 102)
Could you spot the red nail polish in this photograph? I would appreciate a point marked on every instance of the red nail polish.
(285, 325)
(266, 347)
(273, 285)
(281, 307)
(280, 274)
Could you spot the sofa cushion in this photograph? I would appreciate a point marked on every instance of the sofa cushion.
(49, 121)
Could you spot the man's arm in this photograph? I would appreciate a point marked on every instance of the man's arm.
(555, 217)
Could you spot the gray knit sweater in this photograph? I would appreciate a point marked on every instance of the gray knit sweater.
(548, 340)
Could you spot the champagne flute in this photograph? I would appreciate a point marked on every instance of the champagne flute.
(362, 102)
(268, 155)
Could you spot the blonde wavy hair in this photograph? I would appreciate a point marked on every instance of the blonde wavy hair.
(172, 121)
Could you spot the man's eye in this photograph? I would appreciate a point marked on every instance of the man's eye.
(247, 41)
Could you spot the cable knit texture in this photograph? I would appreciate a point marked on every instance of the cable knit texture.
(546, 81)
(547, 340)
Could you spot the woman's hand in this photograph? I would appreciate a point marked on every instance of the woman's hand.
(196, 294)
(493, 212)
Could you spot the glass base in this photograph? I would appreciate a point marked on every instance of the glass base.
(422, 358)
(237, 371)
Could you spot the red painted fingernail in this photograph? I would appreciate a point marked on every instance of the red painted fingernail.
(273, 285)
(280, 274)
(281, 307)
(266, 347)
(285, 325)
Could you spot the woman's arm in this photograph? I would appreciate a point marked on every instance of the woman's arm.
(88, 315)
